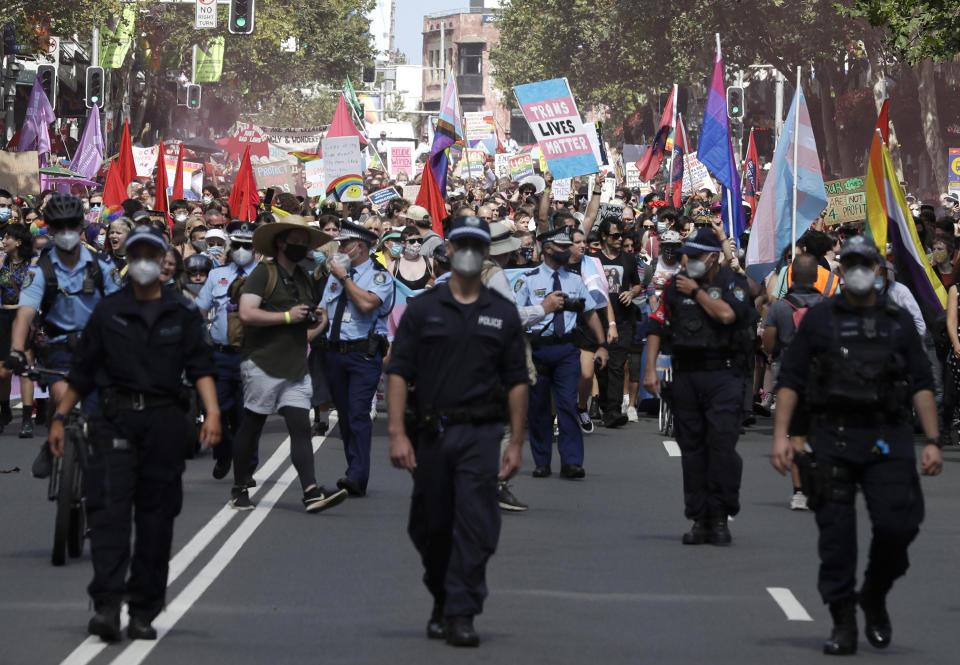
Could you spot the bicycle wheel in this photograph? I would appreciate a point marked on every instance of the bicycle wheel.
(193, 428)
(65, 494)
(78, 514)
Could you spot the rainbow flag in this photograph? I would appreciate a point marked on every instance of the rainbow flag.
(889, 221)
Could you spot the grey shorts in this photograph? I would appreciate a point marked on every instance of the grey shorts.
(267, 394)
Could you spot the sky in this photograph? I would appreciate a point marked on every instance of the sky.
(409, 22)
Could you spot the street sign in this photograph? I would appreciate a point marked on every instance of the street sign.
(206, 14)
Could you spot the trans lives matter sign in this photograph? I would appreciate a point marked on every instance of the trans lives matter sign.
(552, 115)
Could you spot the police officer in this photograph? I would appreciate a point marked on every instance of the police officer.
(214, 302)
(63, 288)
(137, 456)
(556, 358)
(701, 310)
(859, 365)
(357, 299)
(459, 344)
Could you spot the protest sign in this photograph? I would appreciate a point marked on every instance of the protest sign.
(145, 159)
(479, 128)
(380, 197)
(192, 177)
(501, 164)
(953, 185)
(695, 174)
(20, 171)
(400, 159)
(561, 189)
(314, 175)
(846, 200)
(475, 161)
(342, 167)
(521, 166)
(552, 115)
(281, 176)
(610, 211)
(411, 192)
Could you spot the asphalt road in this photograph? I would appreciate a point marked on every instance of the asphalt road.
(594, 572)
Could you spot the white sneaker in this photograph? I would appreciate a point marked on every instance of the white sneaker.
(632, 414)
(798, 501)
(625, 403)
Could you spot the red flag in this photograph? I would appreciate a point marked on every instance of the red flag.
(751, 174)
(160, 201)
(431, 198)
(650, 163)
(122, 171)
(681, 146)
(244, 197)
(177, 192)
(883, 121)
(342, 124)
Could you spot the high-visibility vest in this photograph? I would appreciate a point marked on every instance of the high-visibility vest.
(826, 281)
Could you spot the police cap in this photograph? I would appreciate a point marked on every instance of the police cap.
(146, 234)
(860, 246)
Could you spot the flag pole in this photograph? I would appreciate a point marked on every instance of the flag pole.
(729, 193)
(673, 128)
(796, 147)
(743, 166)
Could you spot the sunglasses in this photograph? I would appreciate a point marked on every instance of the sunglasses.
(615, 236)
(240, 245)
(414, 241)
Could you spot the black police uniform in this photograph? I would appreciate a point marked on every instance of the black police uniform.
(461, 360)
(707, 393)
(135, 353)
(858, 369)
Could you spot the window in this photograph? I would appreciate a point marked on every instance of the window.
(471, 59)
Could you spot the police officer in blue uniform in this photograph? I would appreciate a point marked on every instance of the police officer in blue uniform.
(859, 365)
(214, 302)
(133, 474)
(556, 358)
(357, 299)
(702, 310)
(63, 288)
(459, 344)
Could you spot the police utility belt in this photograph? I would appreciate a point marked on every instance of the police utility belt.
(700, 362)
(434, 422)
(538, 340)
(116, 400)
(372, 345)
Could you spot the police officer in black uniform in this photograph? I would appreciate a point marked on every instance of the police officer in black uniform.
(460, 346)
(702, 310)
(859, 365)
(136, 439)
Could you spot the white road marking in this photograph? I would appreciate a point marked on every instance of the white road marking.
(91, 647)
(673, 450)
(789, 604)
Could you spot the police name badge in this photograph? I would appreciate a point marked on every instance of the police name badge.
(540, 293)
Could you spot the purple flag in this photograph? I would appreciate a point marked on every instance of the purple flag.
(35, 133)
(89, 154)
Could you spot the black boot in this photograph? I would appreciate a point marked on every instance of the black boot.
(843, 638)
(460, 632)
(41, 418)
(140, 629)
(26, 427)
(873, 600)
(698, 534)
(719, 531)
(437, 626)
(106, 623)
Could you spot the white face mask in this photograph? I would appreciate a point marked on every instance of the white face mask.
(340, 259)
(207, 200)
(859, 280)
(180, 217)
(242, 256)
(67, 240)
(467, 262)
(143, 271)
(697, 268)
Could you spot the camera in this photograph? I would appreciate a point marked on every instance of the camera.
(577, 305)
(312, 319)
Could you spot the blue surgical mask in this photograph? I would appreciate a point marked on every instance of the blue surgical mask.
(661, 227)
(396, 250)
(319, 257)
(5, 214)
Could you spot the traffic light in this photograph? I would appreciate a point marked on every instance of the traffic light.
(241, 17)
(182, 93)
(94, 89)
(193, 96)
(734, 102)
(368, 74)
(48, 79)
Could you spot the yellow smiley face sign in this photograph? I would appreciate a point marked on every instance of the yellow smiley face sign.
(955, 165)
(353, 193)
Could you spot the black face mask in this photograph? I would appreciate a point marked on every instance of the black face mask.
(561, 256)
(669, 253)
(295, 253)
(527, 252)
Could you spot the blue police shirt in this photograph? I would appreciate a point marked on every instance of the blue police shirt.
(214, 297)
(537, 284)
(69, 312)
(356, 324)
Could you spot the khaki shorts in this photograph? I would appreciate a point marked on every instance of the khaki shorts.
(267, 394)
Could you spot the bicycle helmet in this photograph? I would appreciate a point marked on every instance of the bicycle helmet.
(62, 209)
(197, 263)
(670, 238)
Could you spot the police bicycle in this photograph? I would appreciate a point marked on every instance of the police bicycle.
(666, 417)
(66, 487)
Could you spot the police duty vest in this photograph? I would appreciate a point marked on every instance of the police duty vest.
(693, 328)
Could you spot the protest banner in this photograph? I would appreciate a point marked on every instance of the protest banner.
(953, 184)
(501, 164)
(561, 189)
(846, 200)
(555, 122)
(520, 167)
(294, 139)
(343, 167)
(281, 176)
(192, 177)
(314, 175)
(20, 171)
(400, 159)
(695, 174)
(380, 197)
(145, 159)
